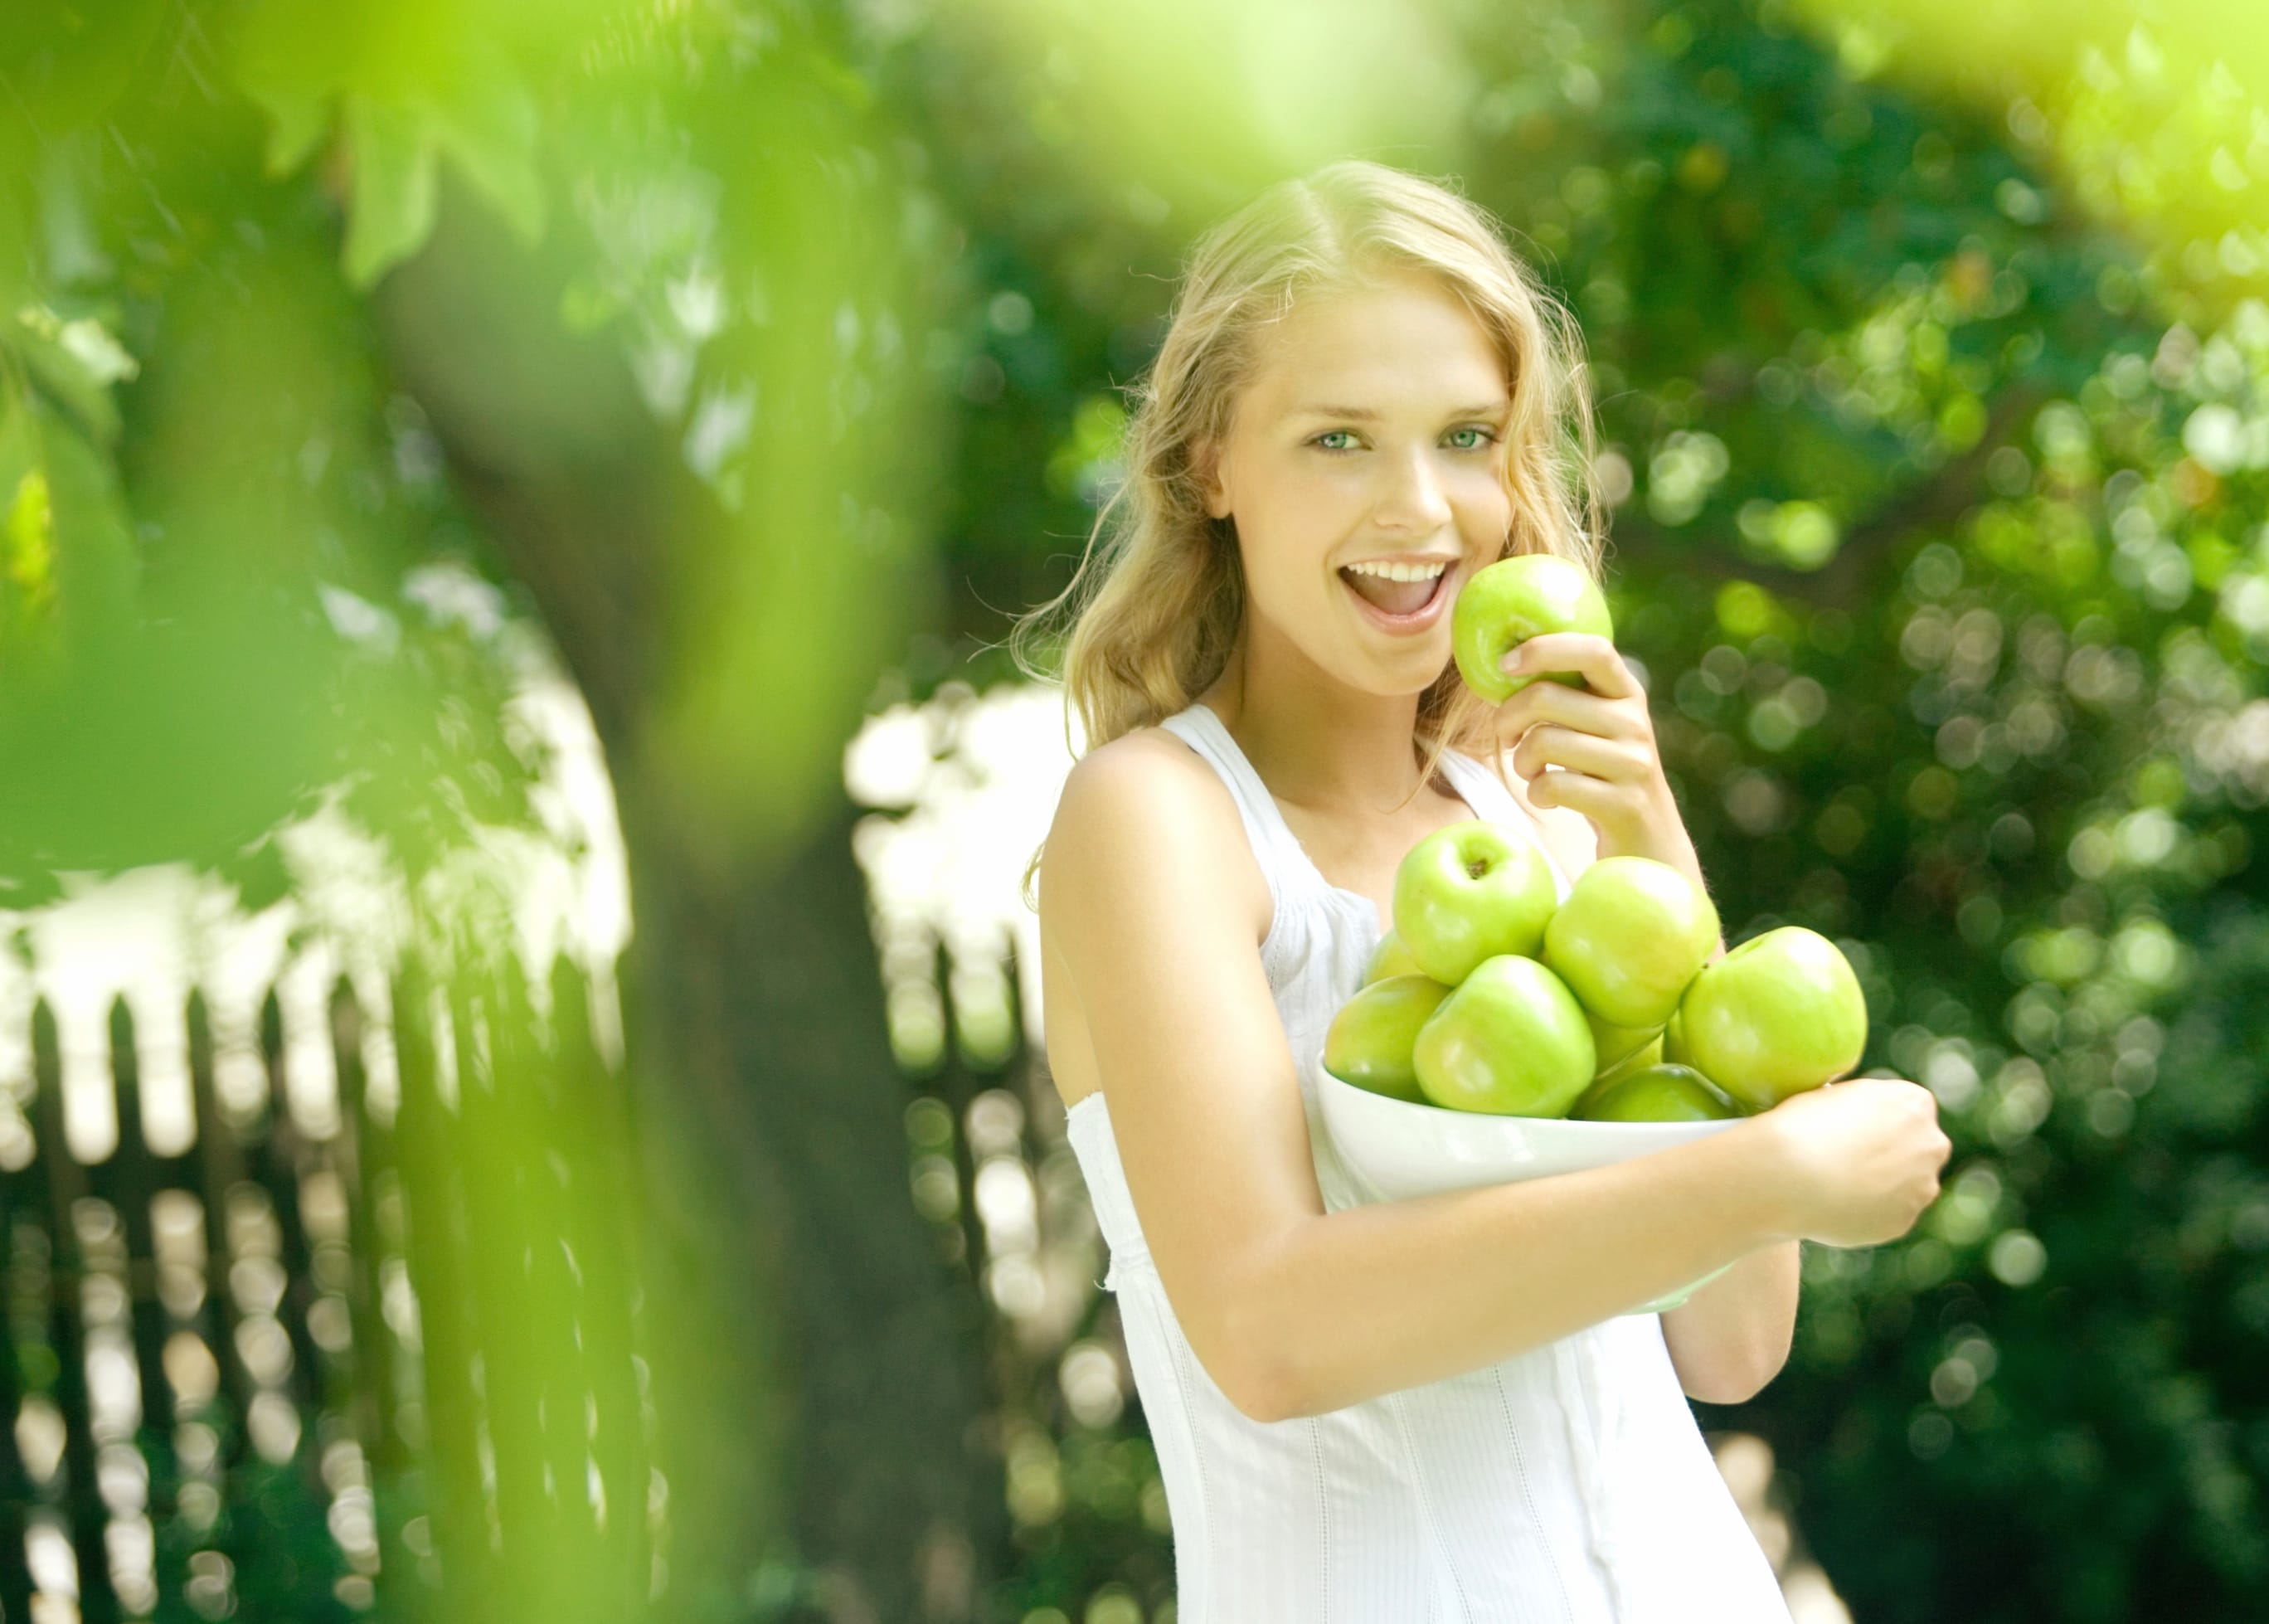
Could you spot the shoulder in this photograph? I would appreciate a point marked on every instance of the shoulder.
(1147, 779)
(1146, 810)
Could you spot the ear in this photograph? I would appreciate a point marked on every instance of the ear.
(1205, 465)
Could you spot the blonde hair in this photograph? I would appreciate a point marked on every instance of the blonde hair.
(1156, 607)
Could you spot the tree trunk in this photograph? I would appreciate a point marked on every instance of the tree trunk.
(764, 1007)
(793, 1280)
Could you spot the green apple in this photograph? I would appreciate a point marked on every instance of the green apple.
(1781, 1013)
(1630, 936)
(1673, 1041)
(1371, 1038)
(1510, 1041)
(1656, 1093)
(1470, 892)
(1390, 957)
(1623, 1049)
(1511, 601)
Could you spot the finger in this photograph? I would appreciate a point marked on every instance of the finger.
(1580, 792)
(1575, 708)
(1590, 657)
(1549, 744)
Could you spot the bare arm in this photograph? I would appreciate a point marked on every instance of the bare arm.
(1145, 899)
(1733, 1336)
(1382, 1297)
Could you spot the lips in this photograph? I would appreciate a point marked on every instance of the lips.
(1417, 618)
(1394, 598)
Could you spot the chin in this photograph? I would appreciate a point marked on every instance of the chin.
(1410, 685)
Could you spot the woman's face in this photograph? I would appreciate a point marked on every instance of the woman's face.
(1372, 436)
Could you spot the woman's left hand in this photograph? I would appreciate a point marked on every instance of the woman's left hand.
(1601, 738)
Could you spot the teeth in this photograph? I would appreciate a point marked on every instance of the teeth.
(1400, 572)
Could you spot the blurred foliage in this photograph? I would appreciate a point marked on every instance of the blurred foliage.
(2152, 115)
(337, 347)
(218, 461)
(209, 608)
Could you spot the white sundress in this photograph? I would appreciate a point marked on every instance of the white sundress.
(1568, 1486)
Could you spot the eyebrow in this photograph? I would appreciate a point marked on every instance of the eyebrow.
(1358, 414)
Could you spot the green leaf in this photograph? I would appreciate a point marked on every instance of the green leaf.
(67, 560)
(298, 123)
(65, 66)
(19, 457)
(489, 133)
(391, 210)
(72, 364)
(96, 566)
(400, 92)
(27, 592)
(291, 62)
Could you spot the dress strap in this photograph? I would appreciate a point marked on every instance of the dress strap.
(1201, 728)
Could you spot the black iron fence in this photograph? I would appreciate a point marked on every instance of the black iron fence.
(324, 1364)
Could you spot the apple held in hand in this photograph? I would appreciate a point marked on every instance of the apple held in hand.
(1656, 1093)
(1631, 935)
(1512, 1041)
(1471, 892)
(1781, 1013)
(1389, 958)
(1372, 1037)
(1510, 602)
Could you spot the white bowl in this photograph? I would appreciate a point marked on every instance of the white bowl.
(1403, 1150)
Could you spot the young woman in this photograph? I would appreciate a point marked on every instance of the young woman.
(1383, 1413)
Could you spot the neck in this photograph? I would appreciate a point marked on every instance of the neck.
(1316, 742)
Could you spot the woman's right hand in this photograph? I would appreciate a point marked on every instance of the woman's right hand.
(1859, 1161)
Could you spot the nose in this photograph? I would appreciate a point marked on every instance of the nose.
(1411, 499)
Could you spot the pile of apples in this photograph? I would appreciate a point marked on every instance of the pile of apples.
(1489, 994)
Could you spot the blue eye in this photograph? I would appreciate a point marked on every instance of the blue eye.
(1488, 439)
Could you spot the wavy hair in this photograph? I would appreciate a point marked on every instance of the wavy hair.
(1154, 611)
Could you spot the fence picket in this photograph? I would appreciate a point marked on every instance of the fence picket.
(461, 1378)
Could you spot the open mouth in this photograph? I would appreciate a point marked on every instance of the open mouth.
(1396, 600)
